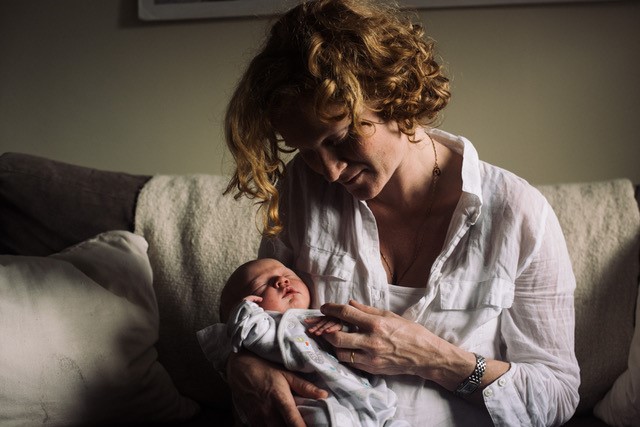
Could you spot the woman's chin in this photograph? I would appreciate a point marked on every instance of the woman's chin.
(362, 189)
(363, 192)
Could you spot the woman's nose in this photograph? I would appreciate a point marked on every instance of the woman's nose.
(325, 162)
(331, 164)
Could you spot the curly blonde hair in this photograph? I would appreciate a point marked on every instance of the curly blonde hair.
(350, 53)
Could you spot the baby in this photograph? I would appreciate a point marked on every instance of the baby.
(266, 309)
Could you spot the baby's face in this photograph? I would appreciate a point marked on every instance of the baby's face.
(279, 287)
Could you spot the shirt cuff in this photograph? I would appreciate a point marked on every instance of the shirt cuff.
(503, 400)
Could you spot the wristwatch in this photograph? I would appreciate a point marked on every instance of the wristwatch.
(470, 385)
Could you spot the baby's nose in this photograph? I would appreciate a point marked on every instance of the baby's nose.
(280, 282)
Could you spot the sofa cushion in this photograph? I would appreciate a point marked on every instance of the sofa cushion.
(78, 330)
(46, 205)
(621, 405)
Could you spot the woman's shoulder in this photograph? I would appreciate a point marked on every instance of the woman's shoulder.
(511, 199)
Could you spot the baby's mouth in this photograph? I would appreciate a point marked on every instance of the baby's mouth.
(288, 291)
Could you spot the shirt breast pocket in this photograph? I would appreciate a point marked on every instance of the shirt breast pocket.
(470, 310)
(328, 274)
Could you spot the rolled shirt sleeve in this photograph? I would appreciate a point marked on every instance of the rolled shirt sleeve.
(541, 387)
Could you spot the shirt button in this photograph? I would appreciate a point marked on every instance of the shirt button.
(487, 392)
(502, 382)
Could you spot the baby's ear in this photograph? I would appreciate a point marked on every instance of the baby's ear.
(253, 298)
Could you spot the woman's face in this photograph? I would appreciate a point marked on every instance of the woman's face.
(362, 164)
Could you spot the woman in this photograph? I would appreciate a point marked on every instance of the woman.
(455, 272)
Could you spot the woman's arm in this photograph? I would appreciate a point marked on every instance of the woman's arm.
(391, 345)
(538, 334)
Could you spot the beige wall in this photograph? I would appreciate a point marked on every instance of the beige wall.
(549, 92)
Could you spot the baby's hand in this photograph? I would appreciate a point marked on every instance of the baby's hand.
(253, 298)
(323, 325)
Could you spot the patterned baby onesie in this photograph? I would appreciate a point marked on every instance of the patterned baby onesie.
(354, 399)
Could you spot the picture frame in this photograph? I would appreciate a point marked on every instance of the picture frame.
(160, 10)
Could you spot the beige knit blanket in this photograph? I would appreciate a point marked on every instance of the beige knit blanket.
(601, 225)
(197, 237)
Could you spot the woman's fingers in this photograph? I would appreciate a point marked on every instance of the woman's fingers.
(355, 313)
(385, 342)
(304, 388)
(263, 392)
(366, 308)
(286, 404)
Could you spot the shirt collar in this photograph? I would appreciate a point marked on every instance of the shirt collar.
(471, 178)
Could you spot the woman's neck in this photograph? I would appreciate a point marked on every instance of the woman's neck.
(411, 183)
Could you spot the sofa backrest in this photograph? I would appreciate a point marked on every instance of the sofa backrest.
(601, 224)
(47, 205)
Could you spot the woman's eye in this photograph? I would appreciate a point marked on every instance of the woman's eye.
(340, 140)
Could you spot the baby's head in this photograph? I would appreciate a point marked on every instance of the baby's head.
(279, 287)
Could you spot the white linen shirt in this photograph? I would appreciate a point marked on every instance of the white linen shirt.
(501, 287)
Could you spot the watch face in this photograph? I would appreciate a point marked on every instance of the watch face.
(467, 387)
(470, 385)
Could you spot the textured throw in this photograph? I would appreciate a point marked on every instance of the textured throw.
(197, 237)
(601, 224)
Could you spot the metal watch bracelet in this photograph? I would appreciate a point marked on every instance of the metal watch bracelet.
(470, 385)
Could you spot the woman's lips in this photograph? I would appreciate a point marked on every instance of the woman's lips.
(350, 180)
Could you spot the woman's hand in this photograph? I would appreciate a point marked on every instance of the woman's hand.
(390, 344)
(263, 391)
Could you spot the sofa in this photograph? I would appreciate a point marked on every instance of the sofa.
(106, 277)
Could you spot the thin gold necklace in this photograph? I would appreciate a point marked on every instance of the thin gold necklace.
(395, 280)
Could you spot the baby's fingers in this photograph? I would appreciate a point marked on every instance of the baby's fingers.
(326, 326)
(314, 320)
(315, 323)
(321, 324)
(332, 327)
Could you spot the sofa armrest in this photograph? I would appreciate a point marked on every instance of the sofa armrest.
(47, 205)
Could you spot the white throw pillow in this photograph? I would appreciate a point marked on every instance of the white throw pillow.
(621, 405)
(77, 338)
